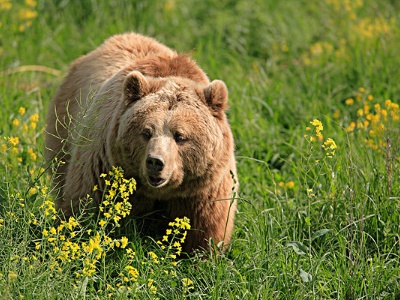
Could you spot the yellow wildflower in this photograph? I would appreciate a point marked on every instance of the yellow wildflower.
(153, 256)
(124, 242)
(318, 127)
(289, 185)
(329, 146)
(187, 283)
(34, 119)
(14, 141)
(32, 191)
(351, 127)
(5, 5)
(349, 101)
(26, 14)
(336, 114)
(72, 223)
(60, 227)
(132, 272)
(31, 3)
(15, 122)
(366, 108)
(153, 290)
(12, 276)
(310, 193)
(21, 110)
(32, 154)
(185, 223)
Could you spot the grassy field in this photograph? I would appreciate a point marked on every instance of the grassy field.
(314, 95)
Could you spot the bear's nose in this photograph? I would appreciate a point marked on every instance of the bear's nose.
(154, 163)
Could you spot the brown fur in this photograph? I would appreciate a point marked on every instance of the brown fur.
(135, 103)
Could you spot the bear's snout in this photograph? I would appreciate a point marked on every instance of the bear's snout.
(155, 164)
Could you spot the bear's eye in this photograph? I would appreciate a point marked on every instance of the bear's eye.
(180, 138)
(146, 133)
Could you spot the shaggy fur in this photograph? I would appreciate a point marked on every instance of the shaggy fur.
(135, 103)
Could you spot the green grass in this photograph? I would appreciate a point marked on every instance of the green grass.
(308, 226)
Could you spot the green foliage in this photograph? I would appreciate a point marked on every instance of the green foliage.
(315, 114)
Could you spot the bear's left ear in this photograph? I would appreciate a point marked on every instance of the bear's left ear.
(136, 86)
(216, 96)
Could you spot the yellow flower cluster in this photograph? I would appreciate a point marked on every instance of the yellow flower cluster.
(73, 244)
(187, 285)
(5, 5)
(317, 53)
(17, 150)
(116, 188)
(365, 30)
(78, 246)
(175, 236)
(22, 13)
(285, 188)
(370, 28)
(171, 248)
(286, 185)
(379, 121)
(171, 244)
(328, 145)
(318, 128)
(49, 209)
(348, 6)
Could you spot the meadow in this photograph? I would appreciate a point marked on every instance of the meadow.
(314, 109)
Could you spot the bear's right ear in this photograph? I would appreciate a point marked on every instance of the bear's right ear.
(136, 87)
(216, 96)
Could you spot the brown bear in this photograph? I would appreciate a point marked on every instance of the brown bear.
(137, 104)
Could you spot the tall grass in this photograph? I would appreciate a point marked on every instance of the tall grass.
(314, 221)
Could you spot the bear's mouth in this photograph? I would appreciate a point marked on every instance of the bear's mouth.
(156, 181)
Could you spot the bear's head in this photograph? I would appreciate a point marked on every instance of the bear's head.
(172, 132)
